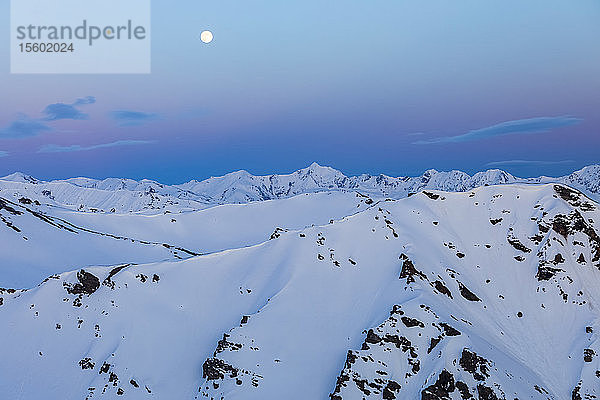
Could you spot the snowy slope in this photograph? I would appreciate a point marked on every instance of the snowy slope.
(490, 294)
(37, 244)
(125, 195)
(586, 179)
(230, 225)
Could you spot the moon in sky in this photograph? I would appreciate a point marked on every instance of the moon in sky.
(206, 36)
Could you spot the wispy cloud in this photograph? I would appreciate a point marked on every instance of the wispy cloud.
(55, 148)
(527, 163)
(131, 118)
(85, 100)
(3, 153)
(23, 127)
(521, 127)
(57, 111)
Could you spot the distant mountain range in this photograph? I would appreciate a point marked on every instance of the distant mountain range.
(126, 195)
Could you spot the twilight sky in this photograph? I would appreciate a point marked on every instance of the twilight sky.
(384, 86)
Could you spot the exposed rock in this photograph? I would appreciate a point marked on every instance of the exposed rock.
(88, 284)
(224, 344)
(574, 198)
(409, 271)
(514, 242)
(546, 273)
(486, 393)
(86, 363)
(104, 368)
(391, 390)
(432, 196)
(588, 355)
(448, 330)
(108, 281)
(464, 390)
(214, 368)
(440, 287)
(372, 337)
(466, 293)
(434, 342)
(475, 365)
(412, 322)
(441, 389)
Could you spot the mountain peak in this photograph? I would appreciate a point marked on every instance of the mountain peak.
(242, 173)
(317, 168)
(20, 177)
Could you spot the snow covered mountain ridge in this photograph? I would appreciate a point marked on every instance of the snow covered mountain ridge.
(312, 285)
(488, 294)
(126, 195)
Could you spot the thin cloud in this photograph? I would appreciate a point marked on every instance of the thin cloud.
(55, 112)
(527, 163)
(517, 127)
(131, 118)
(23, 127)
(85, 100)
(4, 153)
(55, 148)
(58, 111)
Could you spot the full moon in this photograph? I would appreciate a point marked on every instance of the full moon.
(206, 36)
